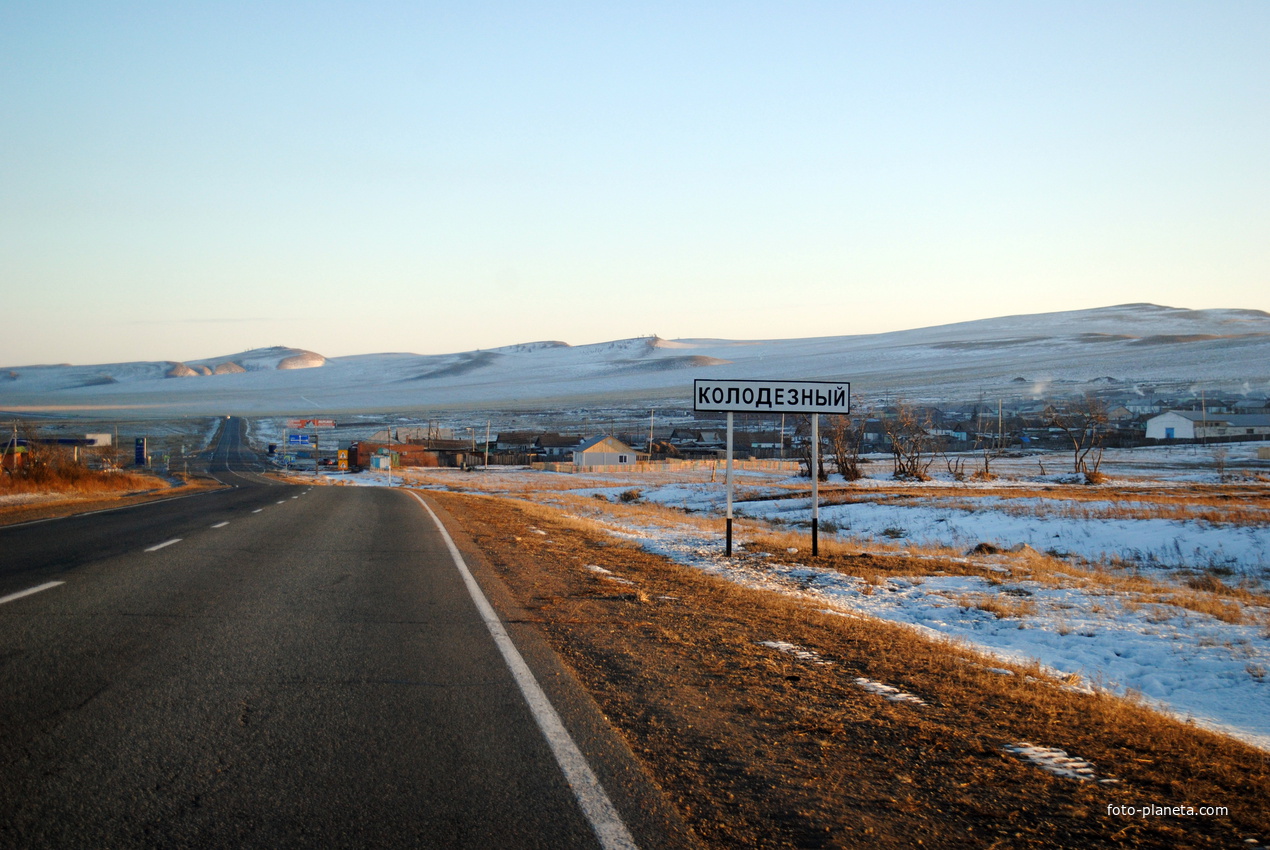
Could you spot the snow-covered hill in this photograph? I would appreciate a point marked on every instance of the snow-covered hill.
(1134, 346)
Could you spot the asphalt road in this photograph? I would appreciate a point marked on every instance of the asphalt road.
(295, 667)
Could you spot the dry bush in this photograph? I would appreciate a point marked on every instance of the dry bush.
(999, 605)
(69, 477)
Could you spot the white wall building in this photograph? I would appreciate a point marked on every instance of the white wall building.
(603, 451)
(1197, 425)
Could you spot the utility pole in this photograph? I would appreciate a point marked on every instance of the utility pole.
(487, 422)
(1000, 434)
(14, 443)
(650, 435)
(1203, 409)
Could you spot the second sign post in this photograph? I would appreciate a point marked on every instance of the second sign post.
(768, 396)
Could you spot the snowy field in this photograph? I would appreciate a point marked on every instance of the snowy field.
(1103, 633)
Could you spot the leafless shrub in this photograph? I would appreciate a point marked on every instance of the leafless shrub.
(846, 435)
(802, 428)
(1085, 424)
(911, 443)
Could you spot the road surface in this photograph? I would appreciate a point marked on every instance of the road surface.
(263, 666)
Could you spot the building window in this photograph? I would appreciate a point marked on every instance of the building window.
(621, 458)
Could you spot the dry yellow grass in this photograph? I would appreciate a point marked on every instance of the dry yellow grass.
(76, 480)
(758, 748)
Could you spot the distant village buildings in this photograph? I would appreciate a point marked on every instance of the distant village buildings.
(1125, 420)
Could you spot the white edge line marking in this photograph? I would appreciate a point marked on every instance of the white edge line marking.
(29, 591)
(221, 524)
(595, 804)
(159, 546)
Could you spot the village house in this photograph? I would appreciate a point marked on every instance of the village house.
(423, 453)
(555, 447)
(519, 442)
(603, 451)
(1201, 425)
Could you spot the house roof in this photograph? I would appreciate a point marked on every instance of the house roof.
(517, 437)
(611, 443)
(1236, 420)
(557, 441)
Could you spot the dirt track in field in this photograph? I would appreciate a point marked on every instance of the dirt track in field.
(758, 747)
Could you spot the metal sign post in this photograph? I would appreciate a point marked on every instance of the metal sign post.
(303, 439)
(727, 550)
(815, 484)
(746, 396)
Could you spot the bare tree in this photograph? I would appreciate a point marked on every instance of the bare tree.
(990, 445)
(911, 443)
(802, 428)
(846, 435)
(1085, 424)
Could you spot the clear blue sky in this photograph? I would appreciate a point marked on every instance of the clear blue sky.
(182, 180)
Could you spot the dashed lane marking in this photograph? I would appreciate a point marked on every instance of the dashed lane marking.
(29, 591)
(221, 524)
(159, 546)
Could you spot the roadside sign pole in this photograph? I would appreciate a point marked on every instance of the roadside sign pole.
(815, 483)
(769, 397)
(728, 547)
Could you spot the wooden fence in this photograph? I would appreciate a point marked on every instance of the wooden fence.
(789, 466)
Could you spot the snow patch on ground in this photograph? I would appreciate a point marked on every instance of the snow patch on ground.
(1059, 763)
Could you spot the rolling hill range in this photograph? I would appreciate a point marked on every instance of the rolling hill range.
(1132, 347)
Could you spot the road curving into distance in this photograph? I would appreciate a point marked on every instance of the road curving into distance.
(273, 665)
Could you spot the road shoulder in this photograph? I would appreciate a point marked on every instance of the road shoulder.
(72, 506)
(650, 817)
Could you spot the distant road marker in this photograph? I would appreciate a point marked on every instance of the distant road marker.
(29, 591)
(221, 524)
(257, 510)
(159, 546)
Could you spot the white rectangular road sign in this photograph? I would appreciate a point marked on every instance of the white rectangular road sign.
(771, 396)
